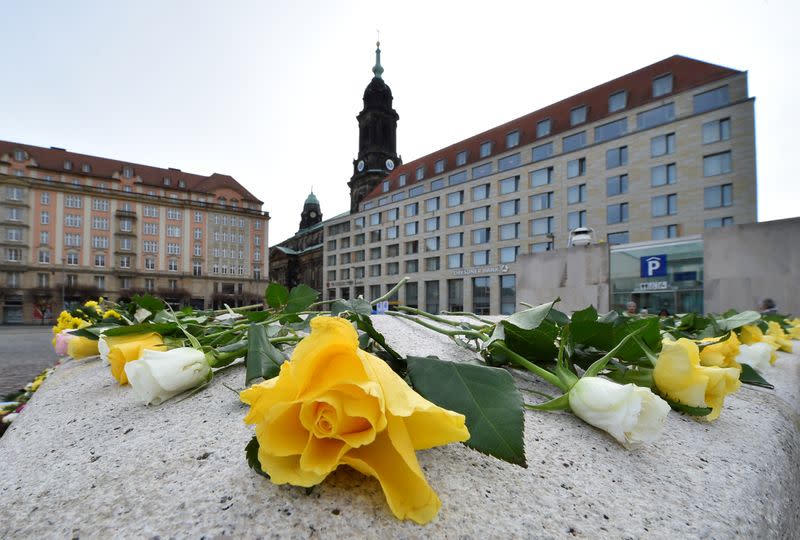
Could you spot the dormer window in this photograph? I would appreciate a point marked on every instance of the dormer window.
(662, 85)
(234, 203)
(512, 139)
(486, 149)
(67, 165)
(461, 158)
(20, 155)
(420, 174)
(127, 172)
(402, 180)
(181, 184)
(617, 101)
(438, 167)
(577, 115)
(86, 168)
(385, 187)
(167, 181)
(543, 128)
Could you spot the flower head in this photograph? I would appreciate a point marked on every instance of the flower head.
(111, 313)
(80, 347)
(119, 350)
(751, 334)
(720, 353)
(757, 355)
(160, 375)
(775, 330)
(333, 404)
(679, 376)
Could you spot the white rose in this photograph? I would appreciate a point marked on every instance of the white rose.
(631, 414)
(756, 355)
(103, 349)
(159, 375)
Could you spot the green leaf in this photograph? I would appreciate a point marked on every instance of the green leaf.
(588, 314)
(487, 396)
(357, 305)
(300, 298)
(740, 319)
(276, 295)
(536, 344)
(751, 376)
(149, 302)
(161, 328)
(164, 316)
(688, 409)
(531, 318)
(263, 359)
(251, 451)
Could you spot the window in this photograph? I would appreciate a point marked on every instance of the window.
(664, 205)
(576, 167)
(662, 85)
(455, 179)
(375, 219)
(198, 218)
(481, 236)
(577, 115)
(412, 209)
(662, 145)
(508, 254)
(72, 240)
(432, 243)
(432, 264)
(198, 251)
(542, 151)
(455, 295)
(576, 194)
(665, 231)
(480, 258)
(100, 260)
(73, 201)
(72, 258)
(616, 185)
(543, 201)
(412, 228)
(461, 158)
(455, 219)
(509, 162)
(401, 180)
(717, 164)
(718, 196)
(486, 149)
(718, 130)
(13, 193)
(455, 260)
(391, 215)
(480, 295)
(542, 226)
(616, 157)
(174, 214)
(152, 229)
(385, 187)
(543, 128)
(44, 238)
(44, 256)
(574, 142)
(617, 213)
(432, 296)
(432, 204)
(67, 165)
(455, 240)
(100, 223)
(100, 205)
(432, 224)
(618, 238)
(438, 166)
(713, 99)
(392, 232)
(45, 218)
(374, 236)
(455, 198)
(512, 139)
(482, 170)
(419, 174)
(480, 214)
(72, 220)
(656, 117)
(152, 211)
(13, 234)
(13, 254)
(172, 265)
(509, 185)
(125, 261)
(100, 242)
(617, 101)
(663, 174)
(480, 192)
(612, 130)
(44, 198)
(508, 231)
(150, 246)
(714, 223)
(541, 177)
(509, 208)
(412, 267)
(19, 155)
(149, 284)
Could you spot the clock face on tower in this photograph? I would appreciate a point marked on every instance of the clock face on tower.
(360, 165)
(389, 164)
(312, 214)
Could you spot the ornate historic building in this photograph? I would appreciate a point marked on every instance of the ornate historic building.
(299, 259)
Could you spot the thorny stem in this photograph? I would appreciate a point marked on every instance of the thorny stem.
(523, 362)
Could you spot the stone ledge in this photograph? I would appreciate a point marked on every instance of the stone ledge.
(86, 460)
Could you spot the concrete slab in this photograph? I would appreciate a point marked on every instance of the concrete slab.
(86, 460)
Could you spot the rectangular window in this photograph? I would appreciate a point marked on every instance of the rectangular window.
(512, 139)
(455, 295)
(45, 198)
(100, 205)
(455, 260)
(617, 101)
(100, 242)
(718, 196)
(543, 151)
(486, 149)
(480, 192)
(577, 115)
(539, 247)
(718, 130)
(432, 264)
(616, 185)
(419, 174)
(44, 218)
(482, 170)
(44, 238)
(665, 231)
(455, 219)
(374, 270)
(100, 260)
(576, 194)
(509, 185)
(480, 214)
(455, 240)
(509, 208)
(439, 166)
(617, 213)
(715, 223)
(543, 128)
(461, 158)
(412, 228)
(432, 205)
(72, 220)
(717, 164)
(656, 117)
(508, 231)
(662, 85)
(385, 187)
(612, 130)
(432, 224)
(543, 201)
(392, 268)
(480, 258)
(455, 199)
(662, 175)
(576, 167)
(574, 142)
(44, 256)
(392, 232)
(508, 254)
(508, 294)
(73, 201)
(616, 157)
(664, 205)
(431, 244)
(541, 177)
(509, 162)
(616, 238)
(13, 234)
(481, 236)
(432, 296)
(126, 244)
(416, 191)
(481, 300)
(457, 178)
(713, 99)
(392, 214)
(542, 226)
(374, 236)
(412, 209)
(576, 219)
(374, 253)
(662, 145)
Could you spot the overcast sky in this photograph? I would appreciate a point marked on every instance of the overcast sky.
(268, 91)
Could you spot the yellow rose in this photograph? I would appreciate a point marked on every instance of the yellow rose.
(111, 313)
(775, 330)
(720, 353)
(81, 347)
(794, 333)
(751, 334)
(119, 350)
(679, 376)
(333, 404)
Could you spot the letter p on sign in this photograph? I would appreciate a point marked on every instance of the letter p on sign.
(652, 266)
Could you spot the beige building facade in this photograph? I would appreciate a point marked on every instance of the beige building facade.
(75, 227)
(665, 152)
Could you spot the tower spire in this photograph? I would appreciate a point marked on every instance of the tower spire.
(378, 68)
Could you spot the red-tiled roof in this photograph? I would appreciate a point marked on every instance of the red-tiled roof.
(52, 159)
(686, 73)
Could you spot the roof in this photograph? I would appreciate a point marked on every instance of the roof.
(290, 251)
(312, 199)
(52, 159)
(686, 73)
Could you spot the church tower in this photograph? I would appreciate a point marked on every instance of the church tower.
(377, 137)
(311, 214)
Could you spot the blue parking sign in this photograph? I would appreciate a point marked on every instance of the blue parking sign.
(653, 265)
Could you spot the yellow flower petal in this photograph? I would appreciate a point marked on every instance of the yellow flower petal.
(81, 347)
(776, 331)
(123, 349)
(721, 353)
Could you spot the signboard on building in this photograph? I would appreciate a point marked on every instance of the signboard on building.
(653, 266)
(653, 285)
(498, 269)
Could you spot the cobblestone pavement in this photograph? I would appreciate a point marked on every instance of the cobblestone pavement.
(24, 352)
